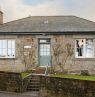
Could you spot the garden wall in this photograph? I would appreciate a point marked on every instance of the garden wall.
(11, 82)
(68, 87)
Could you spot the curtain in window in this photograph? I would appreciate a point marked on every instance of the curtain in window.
(89, 48)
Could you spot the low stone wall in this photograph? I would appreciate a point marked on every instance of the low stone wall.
(25, 82)
(11, 82)
(68, 87)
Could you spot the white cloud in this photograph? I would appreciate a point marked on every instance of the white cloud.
(83, 8)
(15, 9)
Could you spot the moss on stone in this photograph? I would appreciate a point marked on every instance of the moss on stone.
(80, 77)
(24, 74)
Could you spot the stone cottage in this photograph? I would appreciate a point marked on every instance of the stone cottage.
(65, 43)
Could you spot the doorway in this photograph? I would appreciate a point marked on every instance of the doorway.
(44, 52)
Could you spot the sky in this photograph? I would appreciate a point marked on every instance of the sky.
(16, 9)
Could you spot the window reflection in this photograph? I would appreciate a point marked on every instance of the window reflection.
(45, 47)
(7, 48)
(79, 44)
(89, 48)
(84, 48)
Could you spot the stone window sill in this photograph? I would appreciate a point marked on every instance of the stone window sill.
(84, 59)
(7, 57)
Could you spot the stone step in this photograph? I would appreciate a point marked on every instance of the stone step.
(34, 76)
(35, 79)
(34, 84)
(32, 89)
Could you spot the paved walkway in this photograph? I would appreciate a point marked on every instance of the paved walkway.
(26, 94)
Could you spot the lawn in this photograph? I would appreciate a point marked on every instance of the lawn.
(80, 77)
(25, 74)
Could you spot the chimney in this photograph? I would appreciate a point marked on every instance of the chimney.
(1, 17)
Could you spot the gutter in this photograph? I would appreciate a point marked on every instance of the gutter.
(50, 33)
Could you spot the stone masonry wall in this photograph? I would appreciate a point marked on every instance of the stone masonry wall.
(28, 57)
(24, 58)
(65, 87)
(11, 82)
(72, 65)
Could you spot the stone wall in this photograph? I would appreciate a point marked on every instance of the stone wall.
(64, 87)
(24, 58)
(28, 57)
(71, 64)
(11, 82)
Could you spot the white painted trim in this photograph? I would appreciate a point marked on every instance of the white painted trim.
(84, 49)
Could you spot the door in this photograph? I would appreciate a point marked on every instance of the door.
(44, 52)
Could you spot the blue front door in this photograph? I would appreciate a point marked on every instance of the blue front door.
(44, 52)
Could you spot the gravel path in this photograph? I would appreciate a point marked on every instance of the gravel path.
(27, 94)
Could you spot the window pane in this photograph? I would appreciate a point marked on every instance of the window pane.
(48, 46)
(79, 47)
(4, 52)
(9, 44)
(45, 50)
(41, 53)
(4, 43)
(48, 53)
(42, 41)
(41, 46)
(13, 43)
(9, 52)
(48, 50)
(0, 52)
(13, 52)
(1, 44)
(45, 45)
(44, 53)
(89, 48)
(41, 50)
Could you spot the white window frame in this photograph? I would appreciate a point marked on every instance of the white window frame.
(84, 49)
(7, 48)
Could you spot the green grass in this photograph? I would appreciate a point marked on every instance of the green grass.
(24, 74)
(80, 77)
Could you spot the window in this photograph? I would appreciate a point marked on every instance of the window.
(7, 48)
(84, 48)
(44, 41)
(44, 47)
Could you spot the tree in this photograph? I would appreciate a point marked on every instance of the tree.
(27, 55)
(61, 54)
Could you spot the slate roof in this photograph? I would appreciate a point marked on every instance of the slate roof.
(49, 24)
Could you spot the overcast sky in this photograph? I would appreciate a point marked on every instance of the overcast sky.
(16, 9)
